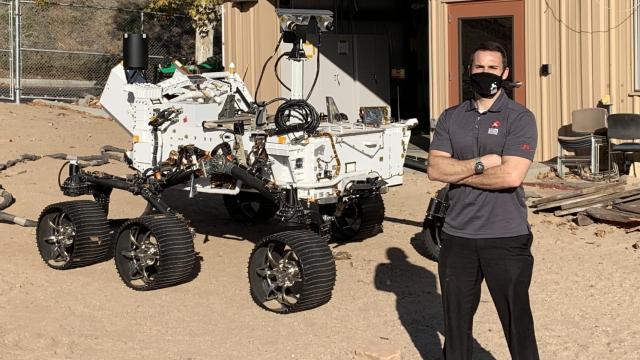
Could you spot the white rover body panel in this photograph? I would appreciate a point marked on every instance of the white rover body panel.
(320, 164)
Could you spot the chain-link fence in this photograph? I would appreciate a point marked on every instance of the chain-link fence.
(6, 50)
(68, 50)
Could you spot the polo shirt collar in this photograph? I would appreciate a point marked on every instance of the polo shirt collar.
(496, 107)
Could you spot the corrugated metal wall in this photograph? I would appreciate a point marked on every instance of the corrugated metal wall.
(589, 44)
(250, 36)
(438, 59)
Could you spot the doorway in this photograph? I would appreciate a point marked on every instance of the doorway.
(471, 23)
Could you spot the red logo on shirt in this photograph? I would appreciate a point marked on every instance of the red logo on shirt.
(496, 124)
(526, 147)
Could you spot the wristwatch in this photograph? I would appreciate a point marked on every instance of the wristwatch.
(478, 168)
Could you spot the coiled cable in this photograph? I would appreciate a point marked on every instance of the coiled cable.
(296, 115)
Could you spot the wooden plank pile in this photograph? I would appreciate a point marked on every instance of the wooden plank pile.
(614, 203)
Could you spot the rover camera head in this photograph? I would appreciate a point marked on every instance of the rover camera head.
(311, 21)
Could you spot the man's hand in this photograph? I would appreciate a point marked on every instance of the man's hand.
(442, 167)
(510, 174)
(491, 160)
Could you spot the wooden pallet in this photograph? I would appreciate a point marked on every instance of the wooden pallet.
(617, 203)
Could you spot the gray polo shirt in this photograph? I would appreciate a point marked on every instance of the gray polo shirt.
(506, 129)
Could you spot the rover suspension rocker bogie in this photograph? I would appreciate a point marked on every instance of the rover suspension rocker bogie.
(323, 175)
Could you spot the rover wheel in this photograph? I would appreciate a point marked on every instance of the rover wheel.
(72, 234)
(248, 206)
(431, 234)
(291, 271)
(359, 219)
(154, 251)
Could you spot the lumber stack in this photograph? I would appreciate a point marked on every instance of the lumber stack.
(615, 202)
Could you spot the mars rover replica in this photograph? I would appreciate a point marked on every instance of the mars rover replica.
(324, 175)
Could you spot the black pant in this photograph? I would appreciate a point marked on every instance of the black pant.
(507, 264)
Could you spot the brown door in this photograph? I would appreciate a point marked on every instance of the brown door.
(471, 23)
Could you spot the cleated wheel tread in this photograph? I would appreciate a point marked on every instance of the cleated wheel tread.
(431, 234)
(167, 238)
(90, 243)
(361, 219)
(314, 261)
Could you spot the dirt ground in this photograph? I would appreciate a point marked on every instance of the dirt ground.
(584, 292)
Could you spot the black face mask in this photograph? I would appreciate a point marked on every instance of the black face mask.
(485, 84)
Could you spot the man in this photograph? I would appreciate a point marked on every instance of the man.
(483, 149)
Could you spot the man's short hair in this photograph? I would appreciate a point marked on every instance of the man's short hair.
(490, 46)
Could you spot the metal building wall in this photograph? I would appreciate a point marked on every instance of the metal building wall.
(250, 36)
(438, 59)
(589, 44)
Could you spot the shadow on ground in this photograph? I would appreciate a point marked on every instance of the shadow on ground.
(208, 216)
(418, 303)
(404, 221)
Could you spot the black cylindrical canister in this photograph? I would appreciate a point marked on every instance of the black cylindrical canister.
(135, 51)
